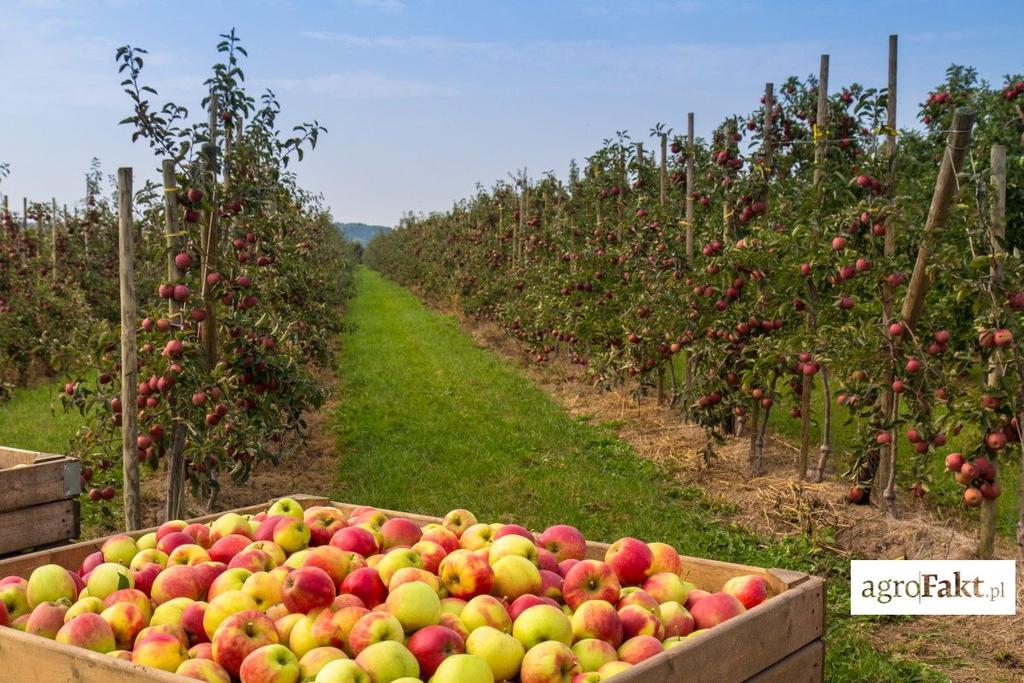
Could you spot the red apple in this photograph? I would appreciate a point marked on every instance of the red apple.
(240, 634)
(432, 645)
(714, 609)
(630, 558)
(306, 589)
(590, 580)
(564, 541)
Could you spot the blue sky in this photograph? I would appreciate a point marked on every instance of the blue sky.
(423, 98)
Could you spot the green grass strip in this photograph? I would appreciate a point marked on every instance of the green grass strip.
(429, 422)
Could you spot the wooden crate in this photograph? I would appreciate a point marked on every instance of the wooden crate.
(778, 641)
(38, 499)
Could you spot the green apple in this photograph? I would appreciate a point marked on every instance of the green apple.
(457, 521)
(84, 605)
(593, 653)
(673, 641)
(50, 583)
(463, 669)
(316, 659)
(222, 607)
(297, 560)
(512, 545)
(396, 559)
(147, 555)
(415, 605)
(541, 623)
(227, 524)
(342, 671)
(549, 661)
(108, 578)
(301, 638)
(515, 576)
(170, 612)
(291, 535)
(485, 610)
(147, 541)
(286, 507)
(119, 549)
(502, 652)
(15, 599)
(387, 660)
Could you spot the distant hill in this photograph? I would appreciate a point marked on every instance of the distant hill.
(361, 232)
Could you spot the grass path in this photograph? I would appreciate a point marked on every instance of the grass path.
(34, 419)
(429, 422)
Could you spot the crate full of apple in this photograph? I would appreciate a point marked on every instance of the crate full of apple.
(331, 595)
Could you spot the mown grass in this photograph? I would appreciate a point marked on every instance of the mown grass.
(34, 419)
(429, 422)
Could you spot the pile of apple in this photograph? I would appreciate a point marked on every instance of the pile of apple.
(322, 595)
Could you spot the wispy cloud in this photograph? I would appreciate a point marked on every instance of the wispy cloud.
(928, 38)
(361, 86)
(437, 43)
(537, 50)
(640, 8)
(382, 5)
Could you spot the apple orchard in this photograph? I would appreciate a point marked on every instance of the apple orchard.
(807, 257)
(807, 267)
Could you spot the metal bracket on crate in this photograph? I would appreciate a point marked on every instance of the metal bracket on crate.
(72, 478)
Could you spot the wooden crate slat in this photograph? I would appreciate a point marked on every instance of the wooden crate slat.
(806, 665)
(71, 556)
(30, 659)
(38, 483)
(744, 645)
(18, 456)
(38, 525)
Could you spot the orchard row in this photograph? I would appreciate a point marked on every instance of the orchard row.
(238, 274)
(805, 247)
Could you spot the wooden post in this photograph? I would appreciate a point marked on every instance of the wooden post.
(690, 149)
(209, 239)
(690, 146)
(887, 401)
(171, 234)
(987, 533)
(174, 505)
(821, 122)
(662, 190)
(621, 203)
(129, 353)
(769, 126)
(517, 231)
(53, 236)
(890, 97)
(807, 381)
(945, 187)
(663, 176)
(729, 225)
(806, 389)
(958, 141)
(640, 165)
